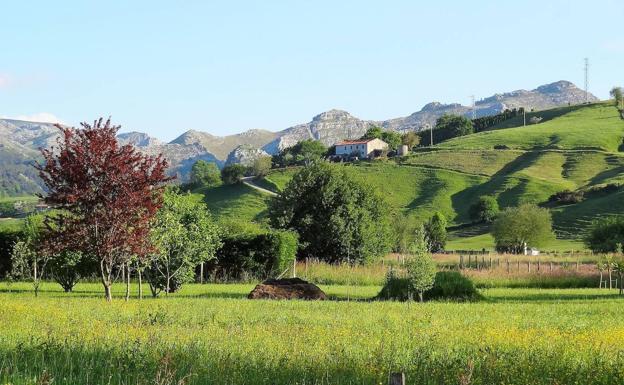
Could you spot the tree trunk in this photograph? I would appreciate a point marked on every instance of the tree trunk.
(106, 281)
(140, 283)
(127, 281)
(420, 296)
(201, 273)
(35, 282)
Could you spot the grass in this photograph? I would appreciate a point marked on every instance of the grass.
(210, 334)
(236, 201)
(597, 126)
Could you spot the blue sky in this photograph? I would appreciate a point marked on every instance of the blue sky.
(164, 67)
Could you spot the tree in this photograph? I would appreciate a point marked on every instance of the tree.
(605, 234)
(393, 139)
(435, 230)
(485, 209)
(106, 194)
(261, 166)
(526, 224)
(27, 261)
(411, 139)
(303, 153)
(205, 174)
(338, 219)
(67, 267)
(455, 124)
(616, 94)
(233, 173)
(373, 133)
(421, 269)
(185, 236)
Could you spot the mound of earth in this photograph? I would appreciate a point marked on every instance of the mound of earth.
(287, 288)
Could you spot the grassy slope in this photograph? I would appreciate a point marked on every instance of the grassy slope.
(574, 148)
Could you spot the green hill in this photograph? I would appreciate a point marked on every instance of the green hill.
(573, 148)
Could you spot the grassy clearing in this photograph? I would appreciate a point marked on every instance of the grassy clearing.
(236, 201)
(597, 126)
(210, 335)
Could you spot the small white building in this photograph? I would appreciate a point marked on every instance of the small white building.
(364, 148)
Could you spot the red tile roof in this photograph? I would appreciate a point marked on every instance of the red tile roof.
(348, 142)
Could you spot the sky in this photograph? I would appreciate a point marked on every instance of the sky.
(164, 67)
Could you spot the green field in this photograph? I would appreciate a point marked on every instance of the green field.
(211, 334)
(574, 148)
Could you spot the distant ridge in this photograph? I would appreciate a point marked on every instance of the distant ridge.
(20, 140)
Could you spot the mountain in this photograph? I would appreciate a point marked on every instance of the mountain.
(20, 140)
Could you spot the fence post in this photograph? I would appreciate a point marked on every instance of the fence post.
(508, 271)
(469, 260)
(551, 266)
(518, 265)
(461, 262)
(397, 379)
(529, 266)
(538, 265)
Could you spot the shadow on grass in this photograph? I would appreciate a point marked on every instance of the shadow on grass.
(554, 298)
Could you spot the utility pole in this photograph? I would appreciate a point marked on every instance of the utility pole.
(474, 108)
(586, 80)
(524, 115)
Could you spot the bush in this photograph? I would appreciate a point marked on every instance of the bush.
(485, 209)
(605, 234)
(233, 173)
(435, 230)
(567, 197)
(7, 240)
(259, 256)
(452, 285)
(448, 285)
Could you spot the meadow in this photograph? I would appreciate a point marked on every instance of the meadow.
(211, 334)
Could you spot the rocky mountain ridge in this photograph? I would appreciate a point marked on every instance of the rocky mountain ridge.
(20, 140)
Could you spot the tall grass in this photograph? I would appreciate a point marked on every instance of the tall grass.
(199, 336)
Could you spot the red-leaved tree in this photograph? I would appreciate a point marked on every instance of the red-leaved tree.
(107, 195)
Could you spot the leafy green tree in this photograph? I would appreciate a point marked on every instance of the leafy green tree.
(185, 237)
(605, 234)
(421, 269)
(526, 224)
(261, 166)
(67, 267)
(455, 124)
(411, 139)
(373, 133)
(393, 139)
(205, 174)
(435, 229)
(233, 173)
(26, 260)
(303, 153)
(616, 94)
(338, 218)
(485, 209)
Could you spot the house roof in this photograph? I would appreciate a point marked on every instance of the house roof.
(348, 142)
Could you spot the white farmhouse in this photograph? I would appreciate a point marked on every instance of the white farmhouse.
(364, 148)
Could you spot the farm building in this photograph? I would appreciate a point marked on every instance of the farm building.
(364, 148)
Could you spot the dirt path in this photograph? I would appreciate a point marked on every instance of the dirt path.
(249, 181)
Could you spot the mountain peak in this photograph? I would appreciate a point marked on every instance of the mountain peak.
(332, 115)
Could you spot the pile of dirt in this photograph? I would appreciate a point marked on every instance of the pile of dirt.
(288, 288)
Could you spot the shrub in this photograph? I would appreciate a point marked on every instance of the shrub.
(605, 234)
(7, 240)
(233, 173)
(567, 197)
(255, 255)
(485, 209)
(452, 285)
(449, 285)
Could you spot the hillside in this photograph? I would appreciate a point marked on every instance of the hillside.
(542, 159)
(20, 140)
